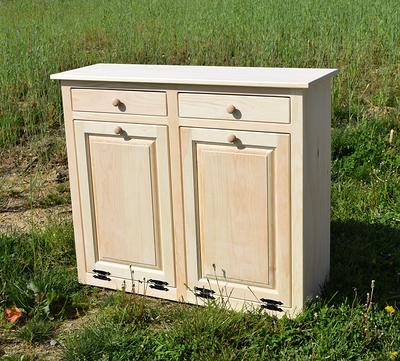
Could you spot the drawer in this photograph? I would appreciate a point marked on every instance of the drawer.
(119, 101)
(231, 107)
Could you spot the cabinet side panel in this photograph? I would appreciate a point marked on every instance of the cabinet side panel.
(74, 182)
(316, 183)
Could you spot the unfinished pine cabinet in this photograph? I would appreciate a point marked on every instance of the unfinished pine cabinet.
(198, 183)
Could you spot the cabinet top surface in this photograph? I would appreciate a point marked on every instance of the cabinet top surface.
(198, 75)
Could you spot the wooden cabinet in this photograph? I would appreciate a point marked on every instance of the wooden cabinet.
(200, 183)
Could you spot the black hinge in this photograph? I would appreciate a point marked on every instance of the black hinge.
(271, 304)
(158, 285)
(101, 275)
(204, 293)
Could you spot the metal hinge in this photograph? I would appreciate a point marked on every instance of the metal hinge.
(158, 285)
(271, 304)
(101, 275)
(204, 293)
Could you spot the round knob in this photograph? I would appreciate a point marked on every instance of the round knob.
(118, 130)
(231, 138)
(116, 102)
(230, 109)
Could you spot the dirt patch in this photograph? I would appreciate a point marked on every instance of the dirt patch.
(34, 191)
(51, 349)
(25, 220)
(34, 184)
(12, 345)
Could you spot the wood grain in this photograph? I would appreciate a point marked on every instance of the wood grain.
(316, 207)
(237, 212)
(177, 196)
(74, 183)
(247, 108)
(129, 102)
(126, 201)
(199, 75)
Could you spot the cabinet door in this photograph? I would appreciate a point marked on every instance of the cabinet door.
(237, 213)
(125, 199)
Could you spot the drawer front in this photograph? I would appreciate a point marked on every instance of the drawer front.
(235, 107)
(119, 101)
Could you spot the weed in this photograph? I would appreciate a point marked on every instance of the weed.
(36, 330)
(54, 198)
(183, 332)
(37, 271)
(19, 357)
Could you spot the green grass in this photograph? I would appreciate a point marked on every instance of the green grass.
(36, 330)
(19, 357)
(37, 272)
(57, 196)
(361, 38)
(37, 275)
(127, 330)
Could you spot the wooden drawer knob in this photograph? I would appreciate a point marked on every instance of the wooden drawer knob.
(118, 130)
(230, 109)
(116, 102)
(231, 138)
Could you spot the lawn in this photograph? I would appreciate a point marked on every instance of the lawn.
(64, 320)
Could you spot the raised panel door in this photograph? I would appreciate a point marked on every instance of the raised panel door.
(125, 199)
(237, 213)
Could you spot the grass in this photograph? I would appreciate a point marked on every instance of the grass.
(135, 328)
(37, 271)
(19, 357)
(124, 330)
(359, 37)
(37, 267)
(57, 196)
(36, 330)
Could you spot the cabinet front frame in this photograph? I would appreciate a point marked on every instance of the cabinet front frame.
(174, 123)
